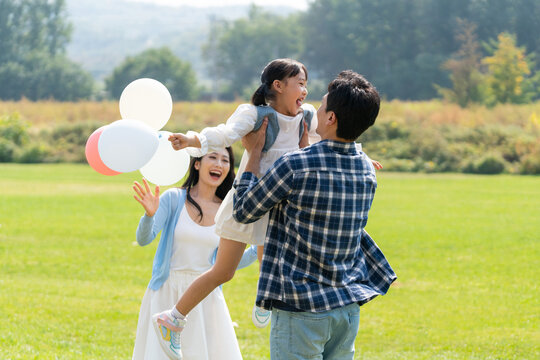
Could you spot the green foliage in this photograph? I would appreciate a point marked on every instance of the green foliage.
(237, 51)
(410, 136)
(467, 79)
(32, 26)
(508, 70)
(13, 129)
(159, 64)
(489, 164)
(7, 149)
(34, 153)
(13, 136)
(530, 163)
(33, 64)
(401, 45)
(40, 76)
(66, 142)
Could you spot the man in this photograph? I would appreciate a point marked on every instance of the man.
(319, 265)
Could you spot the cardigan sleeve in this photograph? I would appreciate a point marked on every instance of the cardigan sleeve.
(248, 258)
(150, 226)
(240, 123)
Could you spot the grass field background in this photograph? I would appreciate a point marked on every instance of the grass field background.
(466, 250)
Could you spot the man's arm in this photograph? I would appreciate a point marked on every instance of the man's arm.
(255, 197)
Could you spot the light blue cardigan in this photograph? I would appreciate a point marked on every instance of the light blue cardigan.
(165, 219)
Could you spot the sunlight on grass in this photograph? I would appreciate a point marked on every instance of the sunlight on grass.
(465, 248)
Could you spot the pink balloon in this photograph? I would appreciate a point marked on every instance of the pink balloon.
(92, 154)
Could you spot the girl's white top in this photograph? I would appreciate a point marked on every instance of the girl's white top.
(242, 122)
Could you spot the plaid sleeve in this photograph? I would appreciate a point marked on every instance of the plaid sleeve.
(255, 197)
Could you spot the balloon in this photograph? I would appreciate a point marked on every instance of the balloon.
(92, 154)
(146, 100)
(168, 166)
(127, 145)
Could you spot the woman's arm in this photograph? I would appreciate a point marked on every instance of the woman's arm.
(156, 212)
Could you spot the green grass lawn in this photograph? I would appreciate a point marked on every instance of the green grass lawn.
(466, 250)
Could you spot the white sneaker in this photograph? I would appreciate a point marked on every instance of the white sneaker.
(260, 317)
(168, 330)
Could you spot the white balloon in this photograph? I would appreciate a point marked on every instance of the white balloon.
(167, 166)
(146, 100)
(127, 145)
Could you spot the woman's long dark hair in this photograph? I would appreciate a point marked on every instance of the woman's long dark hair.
(193, 179)
(278, 69)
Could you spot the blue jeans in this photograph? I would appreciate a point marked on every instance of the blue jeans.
(305, 335)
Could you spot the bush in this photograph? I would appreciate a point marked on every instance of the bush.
(67, 142)
(399, 165)
(530, 163)
(13, 135)
(36, 153)
(13, 129)
(489, 164)
(7, 149)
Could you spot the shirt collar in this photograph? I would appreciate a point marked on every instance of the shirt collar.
(341, 147)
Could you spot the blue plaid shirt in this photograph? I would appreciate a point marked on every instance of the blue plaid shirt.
(317, 255)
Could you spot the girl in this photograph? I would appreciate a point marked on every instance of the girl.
(280, 96)
(186, 216)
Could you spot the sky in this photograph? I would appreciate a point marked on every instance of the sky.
(297, 4)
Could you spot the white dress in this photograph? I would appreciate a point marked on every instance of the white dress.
(239, 124)
(209, 333)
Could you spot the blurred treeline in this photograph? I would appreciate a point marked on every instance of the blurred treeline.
(464, 51)
(475, 60)
(429, 136)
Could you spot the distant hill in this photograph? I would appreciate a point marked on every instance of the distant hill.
(106, 32)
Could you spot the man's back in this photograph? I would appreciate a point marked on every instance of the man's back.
(313, 258)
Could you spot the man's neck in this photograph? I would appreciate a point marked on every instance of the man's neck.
(334, 137)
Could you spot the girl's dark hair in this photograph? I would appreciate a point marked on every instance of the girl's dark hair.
(278, 69)
(193, 179)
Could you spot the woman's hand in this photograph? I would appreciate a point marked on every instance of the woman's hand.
(149, 201)
(180, 141)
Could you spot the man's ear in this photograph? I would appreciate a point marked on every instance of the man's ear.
(332, 119)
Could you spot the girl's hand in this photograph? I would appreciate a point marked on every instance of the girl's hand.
(149, 201)
(180, 141)
(376, 164)
(304, 140)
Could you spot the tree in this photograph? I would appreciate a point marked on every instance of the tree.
(40, 76)
(159, 64)
(508, 69)
(385, 40)
(465, 68)
(33, 64)
(246, 45)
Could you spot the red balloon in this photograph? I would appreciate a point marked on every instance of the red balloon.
(92, 154)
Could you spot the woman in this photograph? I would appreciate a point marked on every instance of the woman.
(186, 218)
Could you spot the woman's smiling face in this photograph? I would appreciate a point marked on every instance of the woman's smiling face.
(214, 167)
